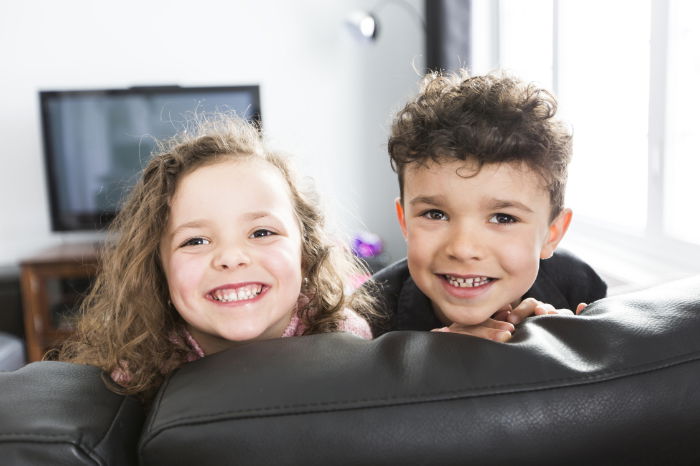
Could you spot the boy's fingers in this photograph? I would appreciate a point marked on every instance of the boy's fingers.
(497, 325)
(490, 329)
(487, 333)
(501, 315)
(531, 306)
(525, 309)
(544, 309)
(580, 308)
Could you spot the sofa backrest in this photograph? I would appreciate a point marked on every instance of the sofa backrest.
(54, 413)
(617, 385)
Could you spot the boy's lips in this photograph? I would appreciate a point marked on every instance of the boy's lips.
(466, 281)
(237, 293)
(466, 286)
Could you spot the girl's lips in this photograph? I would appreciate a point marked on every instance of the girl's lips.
(237, 293)
(235, 286)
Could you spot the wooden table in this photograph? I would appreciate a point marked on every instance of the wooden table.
(39, 277)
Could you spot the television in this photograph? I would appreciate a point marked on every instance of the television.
(97, 141)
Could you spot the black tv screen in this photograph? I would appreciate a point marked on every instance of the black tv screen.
(97, 141)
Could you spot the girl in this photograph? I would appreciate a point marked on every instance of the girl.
(215, 245)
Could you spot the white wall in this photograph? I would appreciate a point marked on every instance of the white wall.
(325, 97)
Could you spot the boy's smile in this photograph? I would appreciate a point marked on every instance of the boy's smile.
(475, 238)
(466, 286)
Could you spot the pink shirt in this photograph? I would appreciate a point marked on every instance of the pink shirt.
(352, 323)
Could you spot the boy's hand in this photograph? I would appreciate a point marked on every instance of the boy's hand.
(490, 329)
(529, 307)
(501, 325)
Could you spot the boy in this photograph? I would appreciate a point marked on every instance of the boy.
(482, 165)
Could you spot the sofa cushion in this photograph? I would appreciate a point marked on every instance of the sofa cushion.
(619, 384)
(54, 413)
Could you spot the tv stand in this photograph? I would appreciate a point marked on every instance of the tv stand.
(53, 283)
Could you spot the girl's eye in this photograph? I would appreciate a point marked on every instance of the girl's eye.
(502, 218)
(196, 242)
(262, 233)
(434, 214)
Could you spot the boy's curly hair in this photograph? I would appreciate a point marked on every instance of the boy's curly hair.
(126, 322)
(495, 118)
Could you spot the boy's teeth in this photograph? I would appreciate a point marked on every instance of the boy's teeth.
(467, 282)
(239, 294)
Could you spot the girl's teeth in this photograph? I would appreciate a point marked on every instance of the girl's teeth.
(240, 294)
(467, 282)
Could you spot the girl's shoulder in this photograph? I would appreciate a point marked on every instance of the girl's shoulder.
(350, 322)
(353, 323)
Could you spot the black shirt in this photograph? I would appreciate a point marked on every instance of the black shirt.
(563, 281)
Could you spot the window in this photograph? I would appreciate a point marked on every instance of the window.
(681, 153)
(624, 72)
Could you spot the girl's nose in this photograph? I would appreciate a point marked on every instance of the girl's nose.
(231, 256)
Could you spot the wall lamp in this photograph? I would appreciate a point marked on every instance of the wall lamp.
(364, 25)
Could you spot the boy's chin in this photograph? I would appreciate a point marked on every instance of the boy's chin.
(462, 318)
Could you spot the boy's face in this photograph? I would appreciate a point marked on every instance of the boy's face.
(474, 241)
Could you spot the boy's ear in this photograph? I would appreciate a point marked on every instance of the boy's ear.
(557, 230)
(400, 216)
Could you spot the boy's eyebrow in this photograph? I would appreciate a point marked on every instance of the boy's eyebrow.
(490, 203)
(505, 203)
(431, 200)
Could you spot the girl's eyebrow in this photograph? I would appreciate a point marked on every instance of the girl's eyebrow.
(198, 223)
(257, 215)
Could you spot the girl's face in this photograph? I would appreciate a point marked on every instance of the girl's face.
(231, 252)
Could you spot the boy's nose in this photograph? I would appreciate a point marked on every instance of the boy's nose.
(464, 243)
(231, 256)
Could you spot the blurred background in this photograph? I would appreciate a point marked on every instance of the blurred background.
(331, 74)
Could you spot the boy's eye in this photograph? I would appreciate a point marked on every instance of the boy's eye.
(195, 242)
(261, 233)
(502, 218)
(434, 214)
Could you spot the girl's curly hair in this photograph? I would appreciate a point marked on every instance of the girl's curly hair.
(494, 118)
(126, 322)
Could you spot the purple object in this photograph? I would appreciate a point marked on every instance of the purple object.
(366, 245)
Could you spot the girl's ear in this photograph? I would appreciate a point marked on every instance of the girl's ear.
(557, 230)
(400, 216)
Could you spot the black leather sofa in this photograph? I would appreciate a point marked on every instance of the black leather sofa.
(617, 385)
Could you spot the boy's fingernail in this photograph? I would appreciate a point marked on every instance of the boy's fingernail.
(504, 336)
(441, 329)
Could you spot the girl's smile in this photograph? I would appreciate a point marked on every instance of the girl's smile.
(238, 293)
(231, 252)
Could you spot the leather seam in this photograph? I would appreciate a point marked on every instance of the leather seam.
(63, 437)
(420, 398)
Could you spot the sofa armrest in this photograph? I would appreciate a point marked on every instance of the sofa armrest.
(55, 413)
(619, 384)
